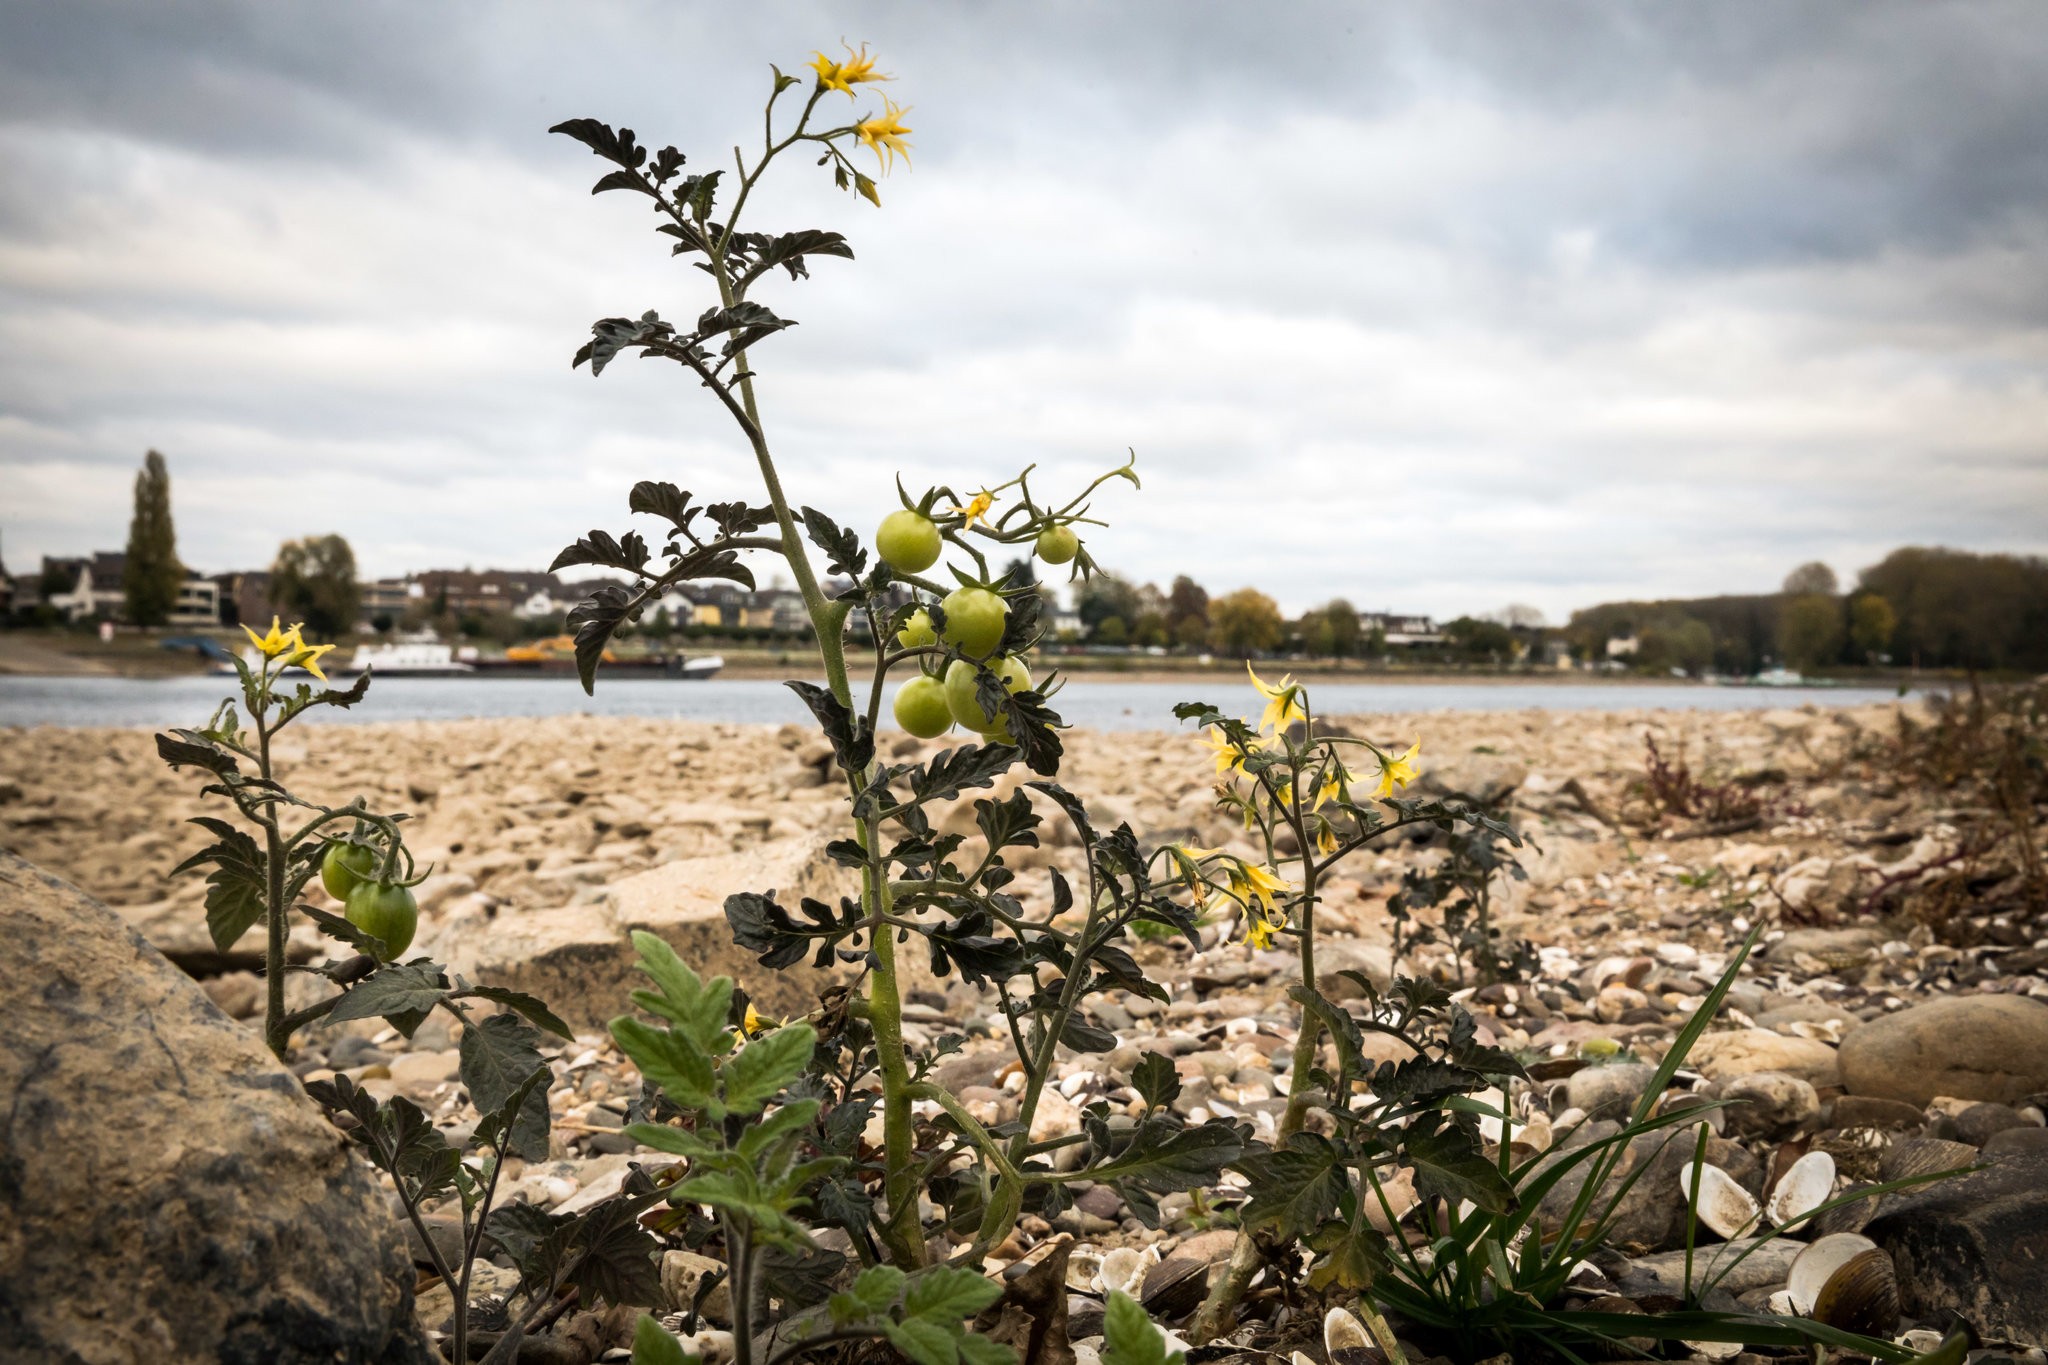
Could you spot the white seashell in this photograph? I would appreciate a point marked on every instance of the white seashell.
(1240, 1028)
(1814, 1266)
(1085, 1352)
(1124, 1269)
(1342, 1331)
(1784, 1305)
(1298, 1358)
(1715, 1350)
(1490, 1127)
(1084, 1263)
(1922, 1340)
(1723, 1205)
(1805, 1187)
(712, 1345)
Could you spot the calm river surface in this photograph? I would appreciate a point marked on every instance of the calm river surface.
(1097, 705)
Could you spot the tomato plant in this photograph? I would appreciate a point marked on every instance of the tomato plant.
(974, 620)
(922, 707)
(344, 865)
(387, 911)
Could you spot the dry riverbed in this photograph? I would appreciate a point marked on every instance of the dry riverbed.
(554, 832)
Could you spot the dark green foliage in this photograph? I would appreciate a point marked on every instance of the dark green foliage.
(150, 572)
(314, 581)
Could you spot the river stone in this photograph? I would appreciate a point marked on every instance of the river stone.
(1743, 1052)
(580, 958)
(1485, 779)
(1608, 1092)
(1769, 1104)
(1971, 1047)
(169, 1192)
(1977, 1244)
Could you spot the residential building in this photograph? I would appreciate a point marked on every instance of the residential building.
(245, 598)
(1400, 631)
(486, 592)
(780, 609)
(85, 589)
(198, 601)
(391, 597)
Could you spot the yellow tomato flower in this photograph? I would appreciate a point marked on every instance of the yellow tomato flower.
(1397, 772)
(857, 69)
(977, 508)
(1189, 859)
(1326, 838)
(751, 1025)
(1283, 702)
(1229, 758)
(308, 657)
(1332, 785)
(277, 642)
(1254, 885)
(1258, 931)
(884, 134)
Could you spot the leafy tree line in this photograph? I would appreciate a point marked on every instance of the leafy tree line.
(1918, 607)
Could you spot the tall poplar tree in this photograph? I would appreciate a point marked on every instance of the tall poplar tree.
(149, 579)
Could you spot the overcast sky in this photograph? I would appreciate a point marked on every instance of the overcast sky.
(1437, 307)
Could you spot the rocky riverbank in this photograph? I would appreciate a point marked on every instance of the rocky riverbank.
(1897, 1016)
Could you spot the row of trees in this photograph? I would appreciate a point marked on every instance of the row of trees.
(1924, 608)
(313, 579)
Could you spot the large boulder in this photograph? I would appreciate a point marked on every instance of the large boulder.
(1970, 1047)
(1725, 1055)
(580, 959)
(167, 1191)
(1483, 779)
(1975, 1243)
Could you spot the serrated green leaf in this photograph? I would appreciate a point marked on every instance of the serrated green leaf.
(652, 1345)
(791, 1118)
(1295, 1188)
(393, 991)
(670, 1060)
(924, 1341)
(699, 1008)
(1450, 1164)
(948, 1294)
(1129, 1336)
(531, 1006)
(877, 1287)
(761, 1069)
(498, 1059)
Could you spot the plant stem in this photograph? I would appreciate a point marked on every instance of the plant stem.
(1228, 1292)
(276, 1027)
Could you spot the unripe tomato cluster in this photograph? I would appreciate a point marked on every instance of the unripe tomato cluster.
(386, 910)
(975, 618)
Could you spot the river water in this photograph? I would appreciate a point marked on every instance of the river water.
(1096, 705)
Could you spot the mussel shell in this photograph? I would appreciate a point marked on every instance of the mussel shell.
(1174, 1288)
(1812, 1268)
(1862, 1296)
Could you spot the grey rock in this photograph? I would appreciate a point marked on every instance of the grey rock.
(1608, 1092)
(1977, 1124)
(1871, 1111)
(1976, 1244)
(1487, 779)
(1972, 1047)
(167, 1190)
(1769, 1104)
(2010, 1141)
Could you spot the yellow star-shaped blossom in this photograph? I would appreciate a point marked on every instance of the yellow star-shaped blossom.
(883, 134)
(1397, 772)
(1283, 701)
(1254, 885)
(857, 69)
(1229, 758)
(277, 642)
(308, 657)
(1332, 784)
(976, 508)
(1258, 931)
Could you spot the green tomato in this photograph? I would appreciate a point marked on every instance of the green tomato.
(1058, 544)
(974, 620)
(917, 632)
(960, 686)
(922, 709)
(344, 866)
(386, 910)
(908, 541)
